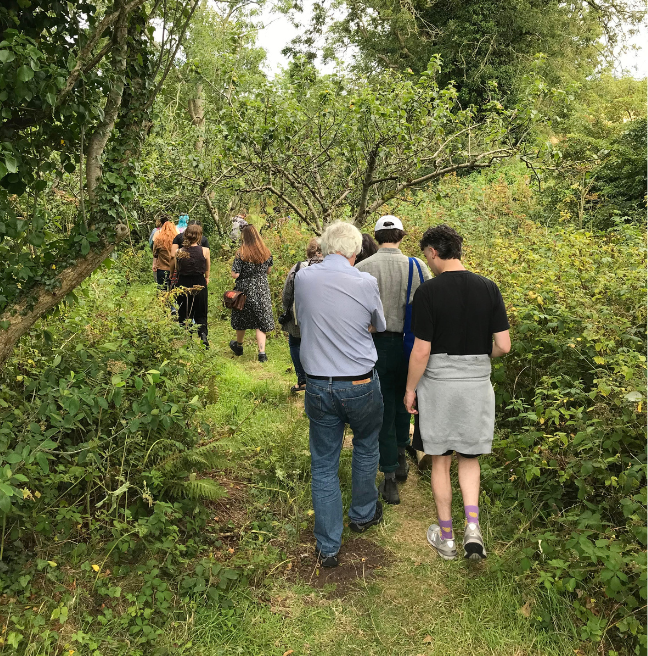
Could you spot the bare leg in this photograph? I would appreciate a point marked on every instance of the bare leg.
(469, 477)
(441, 486)
(261, 340)
(240, 336)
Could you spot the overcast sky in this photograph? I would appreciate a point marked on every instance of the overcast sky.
(279, 31)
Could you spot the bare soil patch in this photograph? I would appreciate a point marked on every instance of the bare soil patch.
(360, 559)
(229, 515)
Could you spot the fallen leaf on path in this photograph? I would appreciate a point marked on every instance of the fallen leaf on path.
(287, 653)
(428, 638)
(526, 609)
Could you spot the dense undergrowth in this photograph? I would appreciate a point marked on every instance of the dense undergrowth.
(113, 420)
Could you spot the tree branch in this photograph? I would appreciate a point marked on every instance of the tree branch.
(80, 65)
(158, 86)
(476, 163)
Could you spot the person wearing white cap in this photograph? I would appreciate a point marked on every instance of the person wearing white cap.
(394, 272)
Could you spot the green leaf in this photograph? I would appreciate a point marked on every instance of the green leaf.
(57, 361)
(41, 459)
(24, 74)
(5, 503)
(6, 56)
(11, 163)
(6, 489)
(14, 639)
(85, 247)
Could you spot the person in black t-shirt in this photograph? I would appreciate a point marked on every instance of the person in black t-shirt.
(459, 323)
(178, 241)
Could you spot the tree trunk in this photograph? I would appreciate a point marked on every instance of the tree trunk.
(99, 139)
(24, 315)
(213, 211)
(197, 113)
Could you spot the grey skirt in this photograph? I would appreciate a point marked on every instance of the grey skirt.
(456, 404)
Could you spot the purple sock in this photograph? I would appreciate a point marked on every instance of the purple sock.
(472, 514)
(446, 529)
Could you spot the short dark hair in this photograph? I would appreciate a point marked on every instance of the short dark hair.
(369, 247)
(389, 236)
(443, 239)
(194, 222)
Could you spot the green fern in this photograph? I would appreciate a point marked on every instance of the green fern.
(200, 458)
(197, 488)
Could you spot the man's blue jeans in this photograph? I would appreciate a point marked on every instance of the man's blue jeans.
(330, 405)
(294, 343)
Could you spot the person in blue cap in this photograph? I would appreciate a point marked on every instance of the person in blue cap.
(183, 221)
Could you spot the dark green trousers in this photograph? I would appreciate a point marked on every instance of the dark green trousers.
(392, 371)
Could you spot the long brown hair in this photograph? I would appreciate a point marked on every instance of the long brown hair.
(192, 235)
(253, 249)
(165, 235)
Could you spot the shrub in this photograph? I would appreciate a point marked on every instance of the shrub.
(569, 456)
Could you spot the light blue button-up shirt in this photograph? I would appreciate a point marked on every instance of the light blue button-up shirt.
(335, 306)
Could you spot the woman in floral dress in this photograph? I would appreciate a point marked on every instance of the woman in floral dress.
(251, 267)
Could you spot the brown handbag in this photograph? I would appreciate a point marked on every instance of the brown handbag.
(234, 300)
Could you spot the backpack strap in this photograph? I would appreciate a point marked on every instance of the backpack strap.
(418, 266)
(409, 279)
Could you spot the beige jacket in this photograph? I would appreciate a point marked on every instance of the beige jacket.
(391, 269)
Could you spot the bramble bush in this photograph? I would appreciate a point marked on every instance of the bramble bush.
(570, 456)
(101, 453)
(572, 414)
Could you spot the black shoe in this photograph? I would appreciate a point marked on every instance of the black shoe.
(377, 518)
(236, 347)
(403, 467)
(411, 452)
(389, 491)
(204, 340)
(263, 357)
(327, 561)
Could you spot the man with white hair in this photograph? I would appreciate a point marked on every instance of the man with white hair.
(337, 308)
(398, 278)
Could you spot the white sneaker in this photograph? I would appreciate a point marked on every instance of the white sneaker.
(445, 548)
(473, 543)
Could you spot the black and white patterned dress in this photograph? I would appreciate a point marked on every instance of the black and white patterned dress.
(253, 282)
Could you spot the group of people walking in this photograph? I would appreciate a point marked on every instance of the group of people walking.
(181, 260)
(381, 340)
(374, 339)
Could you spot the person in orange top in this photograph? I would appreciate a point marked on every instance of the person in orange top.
(162, 251)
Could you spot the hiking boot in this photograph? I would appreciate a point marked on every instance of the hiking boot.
(356, 527)
(236, 347)
(389, 490)
(403, 467)
(263, 357)
(445, 548)
(327, 561)
(473, 543)
(300, 387)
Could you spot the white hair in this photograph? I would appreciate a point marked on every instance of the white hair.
(341, 237)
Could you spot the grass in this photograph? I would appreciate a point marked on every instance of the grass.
(416, 604)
